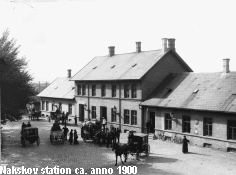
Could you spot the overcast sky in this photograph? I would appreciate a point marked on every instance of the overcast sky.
(60, 35)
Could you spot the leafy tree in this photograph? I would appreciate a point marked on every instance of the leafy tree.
(15, 81)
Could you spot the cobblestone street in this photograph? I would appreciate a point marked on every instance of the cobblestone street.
(165, 157)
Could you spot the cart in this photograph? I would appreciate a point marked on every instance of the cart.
(139, 145)
(88, 131)
(29, 135)
(56, 136)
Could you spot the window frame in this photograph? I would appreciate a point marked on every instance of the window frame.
(126, 116)
(103, 90)
(79, 87)
(134, 117)
(113, 115)
(168, 121)
(70, 108)
(113, 90)
(83, 89)
(207, 126)
(94, 113)
(126, 91)
(134, 91)
(94, 90)
(231, 125)
(186, 124)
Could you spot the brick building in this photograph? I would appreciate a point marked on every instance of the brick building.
(113, 86)
(59, 93)
(201, 106)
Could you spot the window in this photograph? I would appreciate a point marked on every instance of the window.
(94, 112)
(103, 90)
(93, 90)
(113, 91)
(83, 90)
(231, 129)
(43, 105)
(47, 106)
(70, 108)
(126, 91)
(78, 89)
(126, 116)
(134, 91)
(113, 115)
(168, 121)
(207, 127)
(133, 117)
(186, 124)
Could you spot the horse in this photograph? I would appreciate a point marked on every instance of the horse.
(119, 150)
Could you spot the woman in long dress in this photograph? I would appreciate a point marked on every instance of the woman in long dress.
(71, 136)
(75, 137)
(185, 145)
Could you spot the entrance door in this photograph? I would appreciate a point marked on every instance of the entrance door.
(81, 112)
(152, 120)
(103, 113)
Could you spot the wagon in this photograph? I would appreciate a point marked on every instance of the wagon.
(29, 135)
(56, 136)
(140, 145)
(89, 130)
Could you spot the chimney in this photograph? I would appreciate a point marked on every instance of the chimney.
(69, 73)
(164, 45)
(226, 65)
(171, 44)
(111, 51)
(138, 47)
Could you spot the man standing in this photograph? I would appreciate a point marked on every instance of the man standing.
(71, 137)
(66, 130)
(104, 122)
(75, 120)
(117, 133)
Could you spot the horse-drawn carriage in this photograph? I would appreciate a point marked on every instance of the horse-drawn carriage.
(89, 130)
(30, 135)
(139, 144)
(56, 134)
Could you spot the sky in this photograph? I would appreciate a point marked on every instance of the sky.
(58, 35)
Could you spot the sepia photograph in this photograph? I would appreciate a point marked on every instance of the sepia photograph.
(116, 87)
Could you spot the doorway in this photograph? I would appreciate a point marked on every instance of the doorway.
(81, 112)
(103, 113)
(152, 120)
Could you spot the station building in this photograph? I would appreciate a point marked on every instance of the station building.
(113, 86)
(60, 93)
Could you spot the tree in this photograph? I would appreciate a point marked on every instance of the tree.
(16, 86)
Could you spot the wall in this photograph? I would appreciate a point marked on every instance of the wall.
(64, 102)
(218, 140)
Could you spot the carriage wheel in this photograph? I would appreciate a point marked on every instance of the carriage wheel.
(38, 141)
(147, 149)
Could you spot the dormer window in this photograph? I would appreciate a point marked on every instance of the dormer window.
(134, 65)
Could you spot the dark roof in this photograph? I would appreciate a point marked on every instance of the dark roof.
(198, 91)
(129, 66)
(59, 88)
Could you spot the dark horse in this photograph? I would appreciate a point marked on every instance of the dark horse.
(119, 150)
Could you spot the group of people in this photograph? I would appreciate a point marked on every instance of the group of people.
(25, 125)
(73, 137)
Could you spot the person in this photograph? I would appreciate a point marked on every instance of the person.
(75, 137)
(108, 137)
(113, 136)
(130, 138)
(66, 130)
(63, 117)
(28, 125)
(56, 127)
(71, 137)
(75, 120)
(117, 133)
(148, 126)
(23, 125)
(104, 122)
(185, 145)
